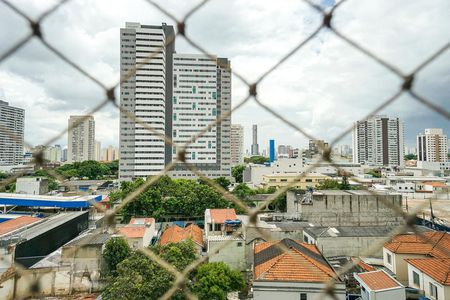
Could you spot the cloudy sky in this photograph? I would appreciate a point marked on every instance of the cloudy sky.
(323, 88)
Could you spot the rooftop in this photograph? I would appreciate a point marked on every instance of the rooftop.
(141, 221)
(132, 232)
(175, 234)
(17, 223)
(89, 239)
(303, 262)
(377, 280)
(434, 243)
(436, 268)
(219, 216)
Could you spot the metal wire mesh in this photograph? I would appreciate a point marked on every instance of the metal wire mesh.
(327, 16)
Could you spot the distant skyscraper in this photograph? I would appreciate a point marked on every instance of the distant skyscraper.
(53, 153)
(271, 150)
(109, 154)
(255, 147)
(432, 146)
(178, 95)
(379, 141)
(237, 144)
(64, 155)
(12, 121)
(98, 151)
(81, 139)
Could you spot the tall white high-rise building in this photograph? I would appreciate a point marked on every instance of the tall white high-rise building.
(432, 146)
(12, 121)
(53, 153)
(177, 95)
(147, 95)
(81, 139)
(237, 144)
(379, 141)
(109, 154)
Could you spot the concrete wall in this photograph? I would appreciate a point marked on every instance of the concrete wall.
(348, 246)
(267, 290)
(345, 209)
(56, 282)
(32, 185)
(230, 252)
(398, 264)
(393, 294)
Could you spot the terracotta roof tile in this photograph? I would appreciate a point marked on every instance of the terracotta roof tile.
(363, 265)
(132, 232)
(303, 262)
(431, 243)
(436, 268)
(378, 280)
(16, 223)
(434, 183)
(175, 234)
(218, 216)
(142, 221)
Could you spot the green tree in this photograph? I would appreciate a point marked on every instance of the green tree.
(375, 173)
(257, 159)
(242, 191)
(215, 280)
(139, 277)
(116, 250)
(90, 169)
(3, 175)
(345, 185)
(328, 184)
(223, 182)
(238, 173)
(410, 156)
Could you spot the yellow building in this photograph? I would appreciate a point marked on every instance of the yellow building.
(284, 179)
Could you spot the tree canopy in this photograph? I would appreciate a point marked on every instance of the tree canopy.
(238, 173)
(116, 250)
(215, 280)
(173, 197)
(256, 159)
(410, 156)
(90, 169)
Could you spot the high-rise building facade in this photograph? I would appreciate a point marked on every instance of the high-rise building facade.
(271, 150)
(12, 120)
(255, 147)
(81, 139)
(176, 95)
(110, 154)
(379, 141)
(53, 153)
(237, 144)
(98, 151)
(432, 145)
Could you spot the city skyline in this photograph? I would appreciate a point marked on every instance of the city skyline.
(300, 97)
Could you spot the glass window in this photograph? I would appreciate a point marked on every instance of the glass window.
(416, 279)
(433, 291)
(389, 258)
(303, 296)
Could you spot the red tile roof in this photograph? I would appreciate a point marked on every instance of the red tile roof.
(142, 221)
(436, 243)
(434, 183)
(175, 234)
(303, 262)
(218, 216)
(363, 265)
(378, 280)
(436, 268)
(132, 232)
(16, 223)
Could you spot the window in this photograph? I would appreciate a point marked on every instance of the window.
(416, 279)
(303, 296)
(389, 258)
(433, 291)
(308, 180)
(239, 244)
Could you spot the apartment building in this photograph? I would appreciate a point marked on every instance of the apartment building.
(237, 144)
(171, 94)
(432, 145)
(379, 141)
(255, 146)
(12, 121)
(81, 139)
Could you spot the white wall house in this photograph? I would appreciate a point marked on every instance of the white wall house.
(431, 275)
(379, 285)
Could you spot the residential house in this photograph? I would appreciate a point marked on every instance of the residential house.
(299, 273)
(176, 234)
(225, 242)
(379, 285)
(139, 232)
(412, 246)
(431, 275)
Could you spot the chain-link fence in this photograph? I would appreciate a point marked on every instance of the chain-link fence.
(407, 87)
